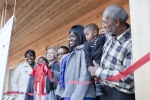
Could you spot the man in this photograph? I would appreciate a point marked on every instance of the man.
(117, 55)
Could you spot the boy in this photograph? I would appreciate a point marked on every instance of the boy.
(93, 49)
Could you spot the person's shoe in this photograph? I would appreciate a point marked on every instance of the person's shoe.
(99, 89)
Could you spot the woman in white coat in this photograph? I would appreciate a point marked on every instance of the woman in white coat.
(22, 73)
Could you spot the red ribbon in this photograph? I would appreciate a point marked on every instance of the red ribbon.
(40, 72)
(124, 73)
(13, 92)
(131, 68)
(118, 77)
(51, 76)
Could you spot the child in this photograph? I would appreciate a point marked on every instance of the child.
(48, 84)
(93, 49)
(42, 60)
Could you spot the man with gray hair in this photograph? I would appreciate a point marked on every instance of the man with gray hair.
(117, 55)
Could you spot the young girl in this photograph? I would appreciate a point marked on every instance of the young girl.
(38, 70)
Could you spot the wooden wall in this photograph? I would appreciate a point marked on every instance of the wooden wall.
(47, 22)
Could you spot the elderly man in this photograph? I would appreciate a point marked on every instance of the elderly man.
(117, 55)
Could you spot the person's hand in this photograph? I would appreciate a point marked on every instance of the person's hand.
(93, 69)
(52, 72)
(95, 78)
(50, 65)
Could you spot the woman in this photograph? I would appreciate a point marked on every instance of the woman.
(75, 69)
(21, 75)
(62, 51)
(51, 56)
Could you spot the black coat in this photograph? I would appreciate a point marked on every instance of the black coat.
(55, 66)
(94, 53)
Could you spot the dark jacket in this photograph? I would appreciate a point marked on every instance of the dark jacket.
(94, 53)
(55, 66)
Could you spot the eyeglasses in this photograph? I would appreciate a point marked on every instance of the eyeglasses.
(106, 22)
(61, 54)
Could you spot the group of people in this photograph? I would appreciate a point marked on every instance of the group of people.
(90, 56)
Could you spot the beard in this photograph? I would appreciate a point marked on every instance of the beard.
(112, 31)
